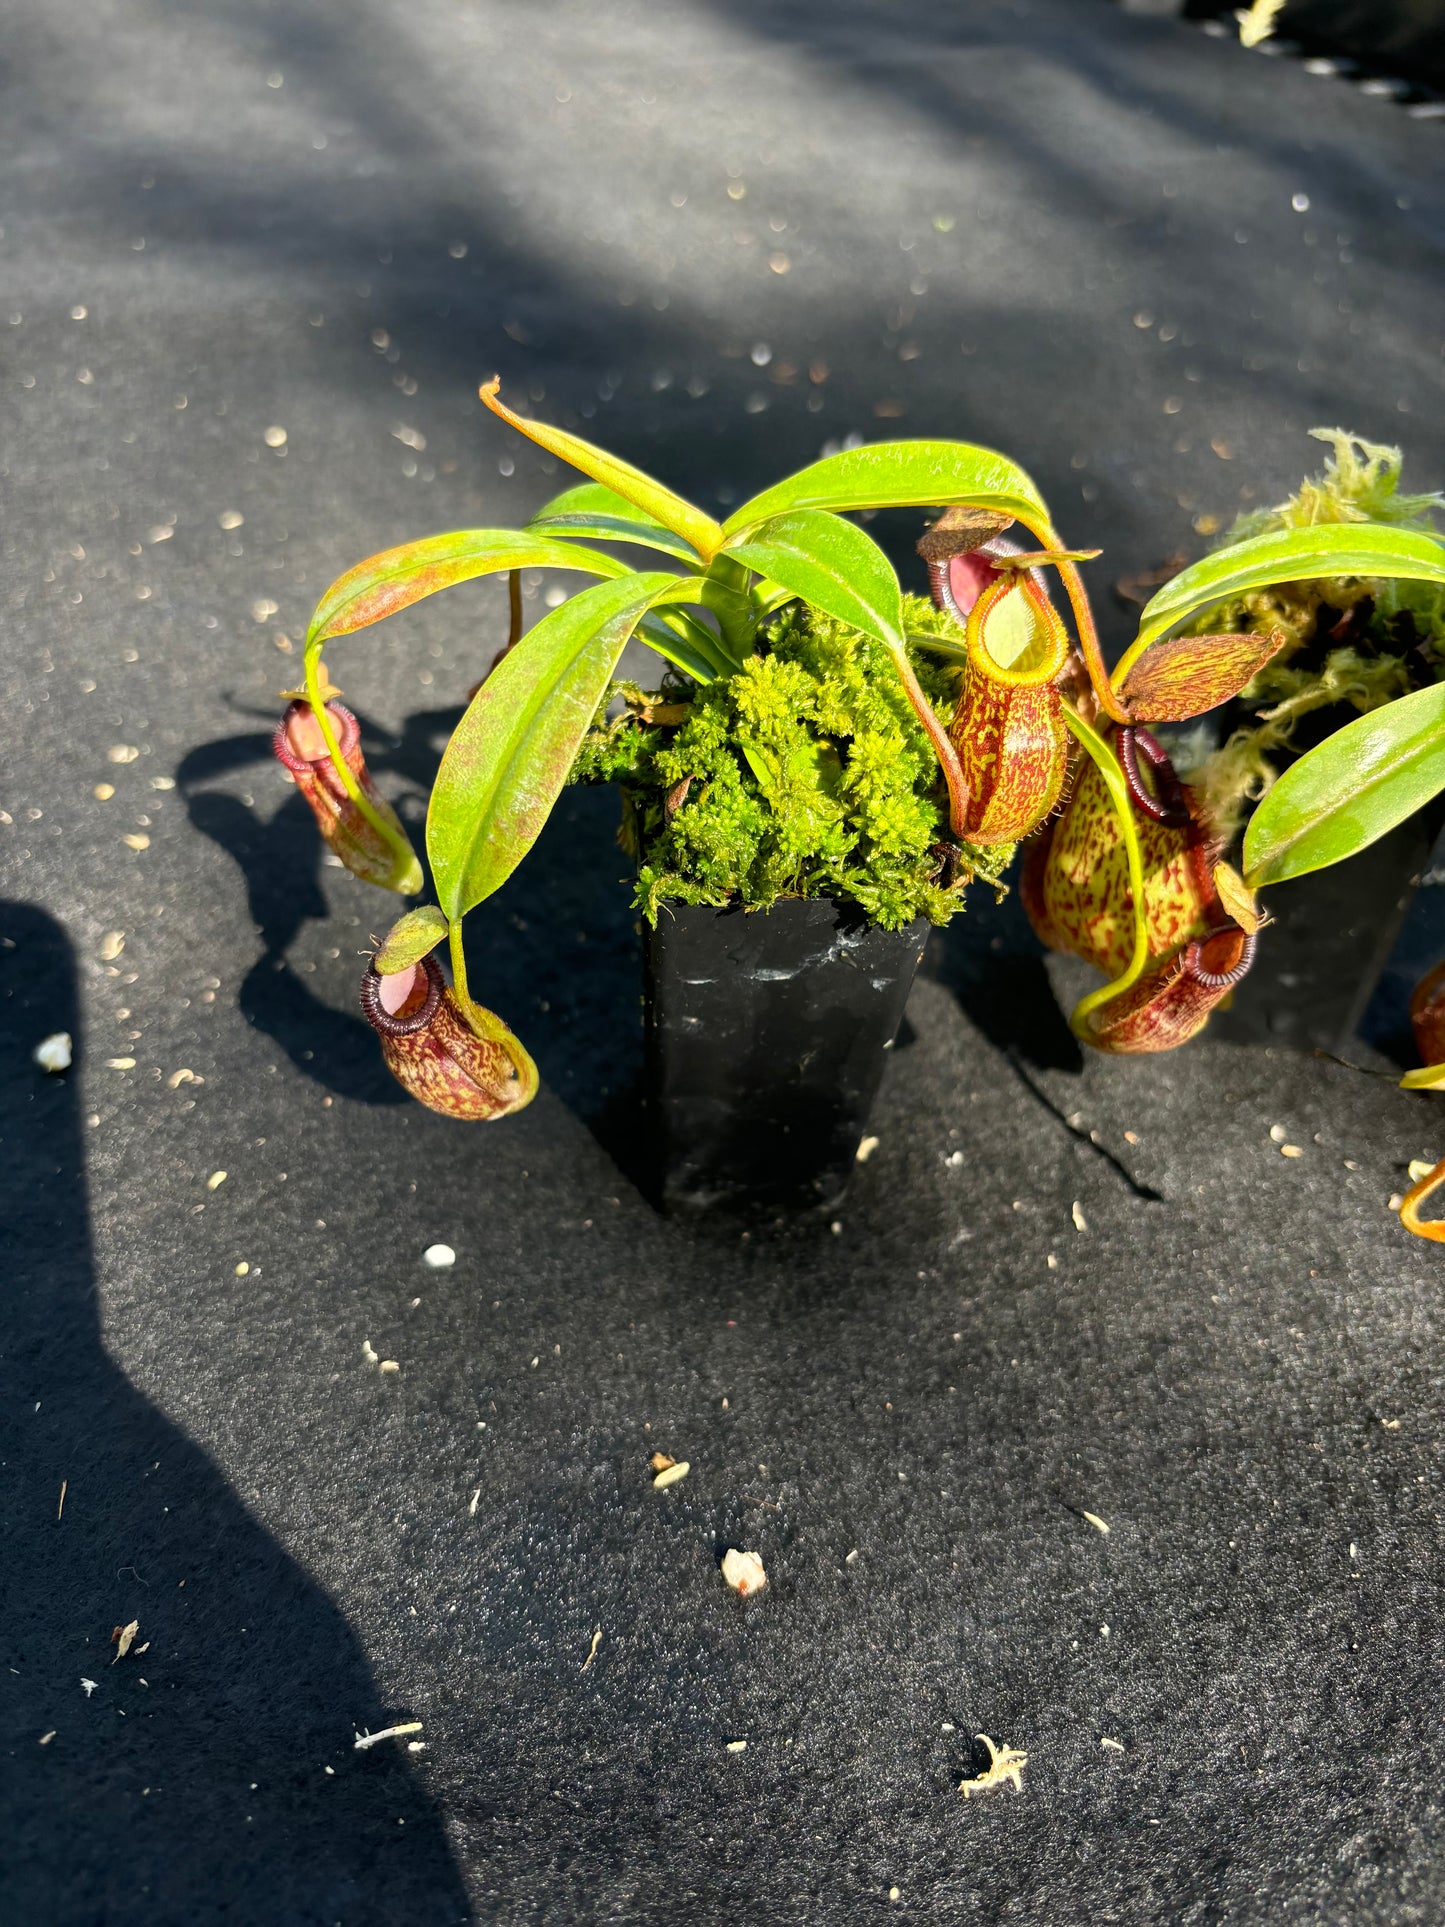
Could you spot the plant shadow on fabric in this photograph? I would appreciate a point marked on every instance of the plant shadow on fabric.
(151, 1530)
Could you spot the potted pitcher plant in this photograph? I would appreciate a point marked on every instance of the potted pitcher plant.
(823, 767)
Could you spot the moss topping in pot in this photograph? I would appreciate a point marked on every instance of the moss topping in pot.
(805, 774)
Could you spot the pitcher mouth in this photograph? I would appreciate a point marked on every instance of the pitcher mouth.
(420, 995)
(300, 719)
(1198, 954)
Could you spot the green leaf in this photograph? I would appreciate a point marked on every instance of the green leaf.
(900, 475)
(398, 577)
(1429, 1078)
(831, 564)
(656, 501)
(1350, 789)
(1289, 555)
(603, 515)
(509, 755)
(409, 939)
(684, 643)
(1172, 681)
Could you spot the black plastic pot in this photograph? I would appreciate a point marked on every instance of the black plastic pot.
(766, 1035)
(1332, 933)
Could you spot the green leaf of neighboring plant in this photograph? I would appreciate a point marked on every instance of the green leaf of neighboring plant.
(398, 577)
(831, 564)
(409, 939)
(1350, 789)
(1429, 1078)
(1287, 555)
(605, 516)
(640, 490)
(1175, 680)
(900, 475)
(509, 755)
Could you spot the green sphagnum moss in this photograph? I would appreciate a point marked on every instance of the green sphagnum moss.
(806, 774)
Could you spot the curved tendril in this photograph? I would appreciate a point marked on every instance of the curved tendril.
(1089, 646)
(1432, 1228)
(459, 964)
(338, 761)
(953, 776)
(1169, 806)
(1108, 767)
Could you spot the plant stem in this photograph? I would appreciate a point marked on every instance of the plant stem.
(1108, 767)
(338, 761)
(514, 603)
(1089, 644)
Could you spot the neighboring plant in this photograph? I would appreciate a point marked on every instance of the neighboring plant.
(787, 753)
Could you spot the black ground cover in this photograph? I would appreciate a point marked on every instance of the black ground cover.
(1143, 262)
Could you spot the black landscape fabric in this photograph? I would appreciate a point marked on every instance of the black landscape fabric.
(256, 259)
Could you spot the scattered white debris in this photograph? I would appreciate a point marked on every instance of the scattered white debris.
(111, 945)
(120, 1063)
(416, 1746)
(1005, 1763)
(895, 1893)
(274, 438)
(363, 1740)
(948, 1727)
(438, 1257)
(1095, 1521)
(388, 1365)
(368, 1354)
(852, 1557)
(124, 1637)
(1277, 1134)
(46, 1738)
(1104, 1632)
(670, 1474)
(54, 1053)
(1394, 1201)
(122, 753)
(743, 1571)
(90, 1686)
(1081, 1223)
(136, 840)
(1291, 1151)
(1390, 1424)
(215, 1180)
(592, 1649)
(866, 1147)
(472, 1508)
(230, 518)
(737, 1746)
(243, 1269)
(1421, 1168)
(182, 1076)
(1114, 1746)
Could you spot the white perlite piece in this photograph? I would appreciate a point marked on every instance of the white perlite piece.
(743, 1572)
(438, 1257)
(54, 1053)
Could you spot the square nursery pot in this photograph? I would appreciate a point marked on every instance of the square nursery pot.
(766, 1034)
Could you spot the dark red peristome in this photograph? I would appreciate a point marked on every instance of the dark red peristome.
(436, 1054)
(300, 748)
